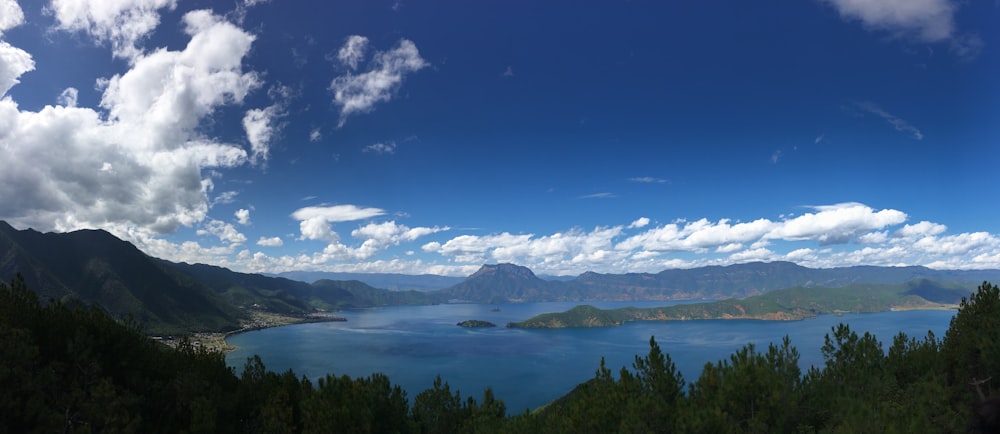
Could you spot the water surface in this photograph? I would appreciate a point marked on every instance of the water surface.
(528, 368)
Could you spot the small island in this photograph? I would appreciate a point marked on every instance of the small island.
(475, 323)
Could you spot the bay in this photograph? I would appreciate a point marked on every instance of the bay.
(528, 368)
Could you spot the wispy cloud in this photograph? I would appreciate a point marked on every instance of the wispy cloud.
(603, 195)
(381, 148)
(353, 51)
(359, 93)
(896, 122)
(649, 180)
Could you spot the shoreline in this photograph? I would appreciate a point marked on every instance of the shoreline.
(217, 341)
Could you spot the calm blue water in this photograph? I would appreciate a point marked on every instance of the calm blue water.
(528, 368)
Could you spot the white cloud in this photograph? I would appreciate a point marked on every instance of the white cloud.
(68, 97)
(141, 162)
(260, 126)
(315, 135)
(573, 251)
(759, 254)
(602, 195)
(639, 223)
(270, 242)
(922, 229)
(897, 123)
(358, 93)
(122, 23)
(353, 51)
(836, 224)
(649, 180)
(13, 63)
(381, 148)
(378, 236)
(11, 15)
(928, 20)
(336, 213)
(960, 244)
(314, 221)
(224, 231)
(242, 216)
(877, 237)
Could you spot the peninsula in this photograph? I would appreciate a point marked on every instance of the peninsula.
(781, 305)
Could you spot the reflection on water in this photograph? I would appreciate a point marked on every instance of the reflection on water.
(527, 368)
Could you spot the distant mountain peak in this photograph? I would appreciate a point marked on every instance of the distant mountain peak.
(504, 270)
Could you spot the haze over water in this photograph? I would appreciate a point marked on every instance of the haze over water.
(528, 368)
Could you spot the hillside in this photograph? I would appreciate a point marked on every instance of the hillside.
(95, 268)
(503, 283)
(784, 304)
(390, 281)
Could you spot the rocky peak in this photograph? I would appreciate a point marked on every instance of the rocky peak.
(504, 270)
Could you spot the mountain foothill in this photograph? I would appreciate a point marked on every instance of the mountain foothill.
(94, 268)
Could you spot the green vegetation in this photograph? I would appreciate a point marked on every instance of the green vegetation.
(66, 367)
(580, 316)
(472, 323)
(785, 304)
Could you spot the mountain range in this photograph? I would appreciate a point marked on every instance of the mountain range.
(95, 268)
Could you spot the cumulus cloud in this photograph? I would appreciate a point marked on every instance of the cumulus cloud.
(639, 223)
(121, 23)
(260, 126)
(359, 93)
(836, 224)
(224, 231)
(639, 247)
(270, 242)
(14, 62)
(928, 20)
(378, 236)
(574, 250)
(242, 216)
(922, 229)
(139, 162)
(921, 20)
(314, 221)
(68, 97)
(11, 15)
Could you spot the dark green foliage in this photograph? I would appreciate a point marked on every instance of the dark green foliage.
(783, 304)
(70, 368)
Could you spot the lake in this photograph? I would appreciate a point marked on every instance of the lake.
(528, 368)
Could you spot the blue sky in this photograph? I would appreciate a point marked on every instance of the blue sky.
(433, 137)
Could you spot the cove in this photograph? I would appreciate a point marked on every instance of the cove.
(528, 368)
